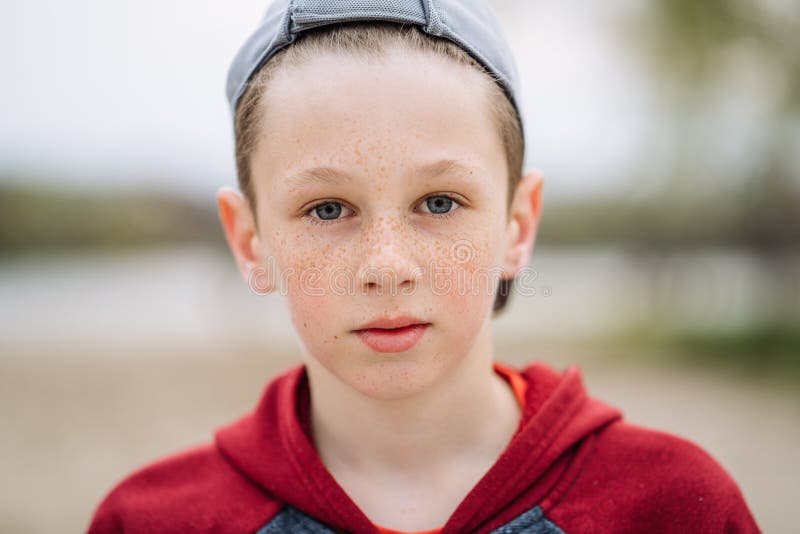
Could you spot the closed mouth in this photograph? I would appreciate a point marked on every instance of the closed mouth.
(393, 330)
(392, 323)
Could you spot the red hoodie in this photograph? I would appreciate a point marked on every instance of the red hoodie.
(573, 465)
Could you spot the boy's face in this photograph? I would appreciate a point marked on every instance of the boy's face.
(380, 188)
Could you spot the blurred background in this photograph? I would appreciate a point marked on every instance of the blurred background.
(667, 263)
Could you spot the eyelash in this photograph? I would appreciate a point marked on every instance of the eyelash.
(315, 220)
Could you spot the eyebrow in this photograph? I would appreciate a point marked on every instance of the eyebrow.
(447, 166)
(321, 175)
(333, 176)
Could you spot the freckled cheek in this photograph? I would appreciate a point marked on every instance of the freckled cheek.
(470, 292)
(304, 266)
(319, 319)
(314, 297)
(310, 313)
(464, 279)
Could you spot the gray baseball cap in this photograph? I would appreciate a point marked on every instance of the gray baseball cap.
(471, 24)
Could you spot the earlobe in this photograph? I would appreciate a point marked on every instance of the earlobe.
(242, 237)
(523, 224)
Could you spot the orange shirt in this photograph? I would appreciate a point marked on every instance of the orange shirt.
(518, 386)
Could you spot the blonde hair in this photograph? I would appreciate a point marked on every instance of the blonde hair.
(374, 38)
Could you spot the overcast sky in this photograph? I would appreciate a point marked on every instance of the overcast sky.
(105, 94)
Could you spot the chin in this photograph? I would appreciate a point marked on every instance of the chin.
(392, 377)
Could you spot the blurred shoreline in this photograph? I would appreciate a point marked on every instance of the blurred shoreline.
(192, 295)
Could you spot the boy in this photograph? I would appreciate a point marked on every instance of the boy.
(380, 151)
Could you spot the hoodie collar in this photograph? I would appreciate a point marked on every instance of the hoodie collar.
(272, 447)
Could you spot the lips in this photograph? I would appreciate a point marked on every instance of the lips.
(397, 334)
(392, 322)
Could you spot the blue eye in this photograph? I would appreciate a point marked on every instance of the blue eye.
(439, 205)
(328, 211)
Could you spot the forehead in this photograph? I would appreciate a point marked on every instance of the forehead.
(403, 108)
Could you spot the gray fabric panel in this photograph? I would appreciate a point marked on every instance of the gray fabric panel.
(271, 35)
(292, 520)
(311, 13)
(531, 522)
(472, 24)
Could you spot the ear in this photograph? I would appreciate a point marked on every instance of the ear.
(243, 239)
(524, 215)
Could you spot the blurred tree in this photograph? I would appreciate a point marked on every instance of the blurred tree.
(48, 219)
(746, 53)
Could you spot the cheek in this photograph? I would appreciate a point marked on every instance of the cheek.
(315, 286)
(465, 277)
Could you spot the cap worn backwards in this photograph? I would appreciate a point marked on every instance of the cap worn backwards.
(471, 24)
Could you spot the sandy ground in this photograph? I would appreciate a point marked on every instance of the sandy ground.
(74, 424)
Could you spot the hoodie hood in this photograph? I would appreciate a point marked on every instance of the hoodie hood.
(272, 447)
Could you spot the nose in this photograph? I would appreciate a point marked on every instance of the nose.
(387, 260)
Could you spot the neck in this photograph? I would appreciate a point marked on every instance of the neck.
(470, 411)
